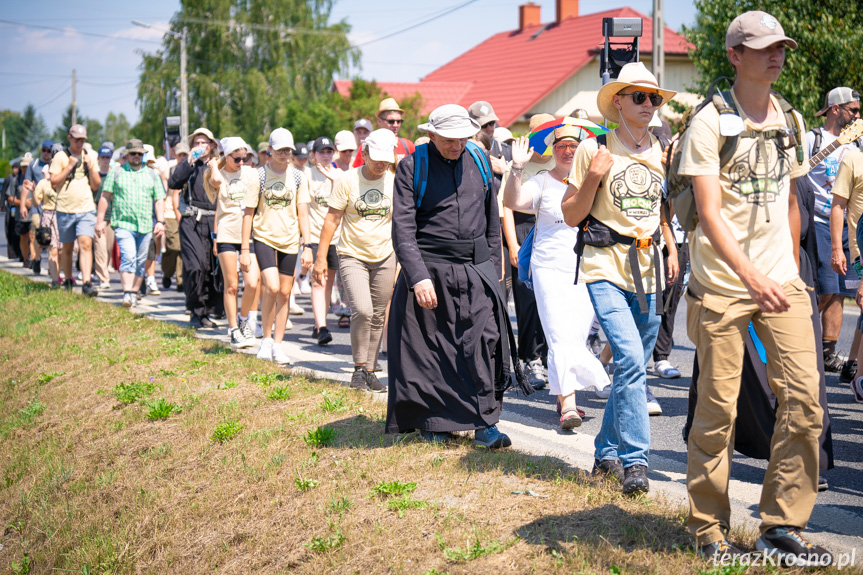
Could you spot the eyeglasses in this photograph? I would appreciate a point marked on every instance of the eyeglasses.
(489, 125)
(46, 149)
(638, 98)
(237, 160)
(566, 147)
(283, 151)
(853, 110)
(394, 122)
(134, 153)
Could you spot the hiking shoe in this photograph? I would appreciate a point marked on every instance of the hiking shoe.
(195, 321)
(665, 370)
(67, 284)
(239, 339)
(265, 352)
(833, 362)
(570, 418)
(279, 355)
(788, 546)
(822, 484)
(437, 436)
(89, 290)
(152, 286)
(720, 552)
(594, 344)
(608, 468)
(849, 370)
(635, 480)
(374, 383)
(653, 407)
(491, 438)
(857, 388)
(207, 322)
(246, 328)
(166, 282)
(536, 374)
(127, 299)
(358, 380)
(36, 266)
(324, 336)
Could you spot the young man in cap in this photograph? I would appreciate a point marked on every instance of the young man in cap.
(103, 244)
(841, 107)
(203, 299)
(484, 115)
(616, 191)
(75, 176)
(263, 154)
(744, 262)
(362, 129)
(391, 117)
(132, 191)
(448, 330)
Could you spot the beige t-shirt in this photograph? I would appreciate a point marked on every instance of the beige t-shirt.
(229, 205)
(276, 221)
(320, 189)
(745, 206)
(368, 215)
(77, 197)
(849, 185)
(628, 200)
(45, 194)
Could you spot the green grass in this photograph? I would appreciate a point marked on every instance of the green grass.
(320, 437)
(280, 393)
(477, 550)
(305, 484)
(162, 409)
(134, 392)
(227, 430)
(333, 403)
(326, 544)
(46, 377)
(394, 488)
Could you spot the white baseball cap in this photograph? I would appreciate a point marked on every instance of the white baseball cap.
(363, 123)
(280, 138)
(345, 141)
(233, 143)
(381, 145)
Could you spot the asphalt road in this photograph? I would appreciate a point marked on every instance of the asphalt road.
(837, 520)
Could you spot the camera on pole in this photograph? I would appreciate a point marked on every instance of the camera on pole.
(615, 55)
(172, 134)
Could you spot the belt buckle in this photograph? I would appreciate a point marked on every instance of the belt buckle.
(643, 243)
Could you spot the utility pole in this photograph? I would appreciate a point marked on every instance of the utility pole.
(658, 43)
(184, 91)
(74, 103)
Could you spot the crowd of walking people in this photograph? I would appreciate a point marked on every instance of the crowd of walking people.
(417, 246)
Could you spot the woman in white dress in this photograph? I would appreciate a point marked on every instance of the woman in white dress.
(564, 308)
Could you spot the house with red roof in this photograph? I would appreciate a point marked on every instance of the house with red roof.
(551, 67)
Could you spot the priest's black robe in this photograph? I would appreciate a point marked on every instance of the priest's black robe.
(446, 363)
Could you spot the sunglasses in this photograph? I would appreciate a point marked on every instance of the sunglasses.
(492, 124)
(237, 160)
(566, 147)
(638, 98)
(134, 153)
(394, 122)
(46, 149)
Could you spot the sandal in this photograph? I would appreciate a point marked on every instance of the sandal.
(578, 410)
(570, 418)
(345, 321)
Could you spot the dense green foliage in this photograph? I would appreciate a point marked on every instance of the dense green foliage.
(829, 32)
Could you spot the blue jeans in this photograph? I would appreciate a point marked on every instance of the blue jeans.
(133, 250)
(625, 431)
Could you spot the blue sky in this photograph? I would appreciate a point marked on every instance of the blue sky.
(37, 56)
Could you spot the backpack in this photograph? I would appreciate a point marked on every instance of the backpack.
(421, 168)
(679, 187)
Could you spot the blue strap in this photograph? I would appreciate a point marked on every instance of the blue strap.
(484, 169)
(421, 167)
(759, 347)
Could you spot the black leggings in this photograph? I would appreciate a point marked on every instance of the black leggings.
(272, 258)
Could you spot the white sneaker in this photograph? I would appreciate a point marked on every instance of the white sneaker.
(259, 331)
(279, 355)
(289, 324)
(603, 393)
(238, 339)
(152, 286)
(295, 309)
(857, 388)
(664, 369)
(305, 285)
(127, 300)
(536, 375)
(653, 407)
(104, 286)
(266, 350)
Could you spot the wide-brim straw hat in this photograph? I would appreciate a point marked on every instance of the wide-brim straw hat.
(450, 121)
(633, 75)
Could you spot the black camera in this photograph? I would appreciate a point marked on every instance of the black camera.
(615, 55)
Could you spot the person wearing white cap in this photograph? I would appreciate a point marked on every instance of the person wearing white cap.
(346, 145)
(362, 202)
(391, 117)
(744, 275)
(197, 218)
(615, 188)
(841, 107)
(449, 337)
(227, 181)
(276, 211)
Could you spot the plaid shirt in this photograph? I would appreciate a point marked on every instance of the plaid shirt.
(134, 193)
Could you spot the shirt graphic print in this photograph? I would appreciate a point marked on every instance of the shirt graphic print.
(373, 205)
(637, 191)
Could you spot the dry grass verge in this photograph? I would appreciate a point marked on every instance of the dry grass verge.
(129, 446)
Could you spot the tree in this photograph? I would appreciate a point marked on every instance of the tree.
(275, 56)
(25, 132)
(117, 129)
(829, 33)
(61, 131)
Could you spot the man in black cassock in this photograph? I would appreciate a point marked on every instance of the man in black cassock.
(450, 339)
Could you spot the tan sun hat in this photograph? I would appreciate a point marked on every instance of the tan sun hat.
(450, 121)
(538, 120)
(203, 132)
(633, 75)
(389, 105)
(757, 30)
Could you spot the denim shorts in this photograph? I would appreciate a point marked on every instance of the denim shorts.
(73, 226)
(133, 250)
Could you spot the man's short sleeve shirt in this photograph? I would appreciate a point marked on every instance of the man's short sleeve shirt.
(754, 203)
(849, 185)
(75, 195)
(134, 192)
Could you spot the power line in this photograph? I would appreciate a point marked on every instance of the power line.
(53, 98)
(107, 84)
(418, 24)
(81, 32)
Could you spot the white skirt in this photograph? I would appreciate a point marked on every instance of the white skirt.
(566, 313)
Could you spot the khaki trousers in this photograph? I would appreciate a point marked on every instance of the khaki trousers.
(718, 324)
(103, 248)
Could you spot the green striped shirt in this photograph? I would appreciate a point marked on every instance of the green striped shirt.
(134, 193)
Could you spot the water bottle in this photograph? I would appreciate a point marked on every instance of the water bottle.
(197, 153)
